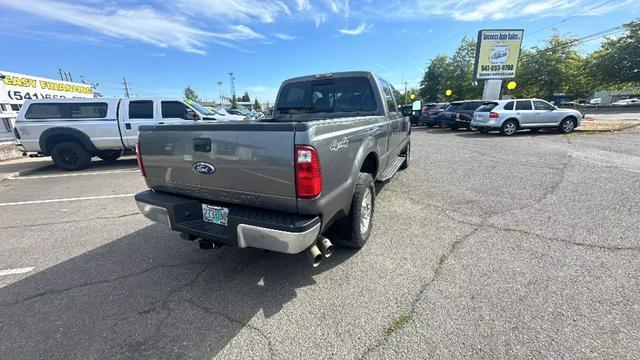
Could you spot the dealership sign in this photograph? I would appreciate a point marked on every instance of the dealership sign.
(497, 53)
(15, 88)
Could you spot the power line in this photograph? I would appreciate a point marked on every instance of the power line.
(571, 17)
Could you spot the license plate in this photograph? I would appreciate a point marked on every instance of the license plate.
(215, 214)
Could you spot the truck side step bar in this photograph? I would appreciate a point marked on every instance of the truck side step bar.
(391, 169)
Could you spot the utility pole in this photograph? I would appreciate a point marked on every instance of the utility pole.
(220, 91)
(405, 92)
(126, 87)
(232, 84)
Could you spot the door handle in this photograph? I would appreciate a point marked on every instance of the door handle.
(202, 144)
(161, 123)
(127, 126)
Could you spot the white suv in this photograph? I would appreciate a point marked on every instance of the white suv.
(508, 116)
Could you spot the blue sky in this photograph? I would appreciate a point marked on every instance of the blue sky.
(163, 46)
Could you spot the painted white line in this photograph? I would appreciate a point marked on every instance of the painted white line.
(72, 174)
(64, 200)
(15, 271)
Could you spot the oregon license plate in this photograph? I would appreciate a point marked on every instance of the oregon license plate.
(215, 214)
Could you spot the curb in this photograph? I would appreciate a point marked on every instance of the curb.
(631, 126)
(22, 172)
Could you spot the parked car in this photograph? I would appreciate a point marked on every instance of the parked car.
(509, 116)
(445, 117)
(72, 131)
(281, 183)
(430, 112)
(463, 115)
(222, 115)
(459, 114)
(626, 102)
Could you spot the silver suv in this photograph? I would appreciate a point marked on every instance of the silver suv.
(509, 116)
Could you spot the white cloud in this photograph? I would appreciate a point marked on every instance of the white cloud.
(477, 10)
(359, 30)
(303, 5)
(235, 10)
(282, 36)
(143, 24)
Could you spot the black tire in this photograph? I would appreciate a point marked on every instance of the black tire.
(407, 156)
(484, 131)
(111, 155)
(567, 125)
(509, 128)
(429, 125)
(354, 228)
(70, 156)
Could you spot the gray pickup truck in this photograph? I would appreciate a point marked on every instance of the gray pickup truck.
(284, 183)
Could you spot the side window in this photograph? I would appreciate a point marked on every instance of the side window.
(141, 110)
(388, 97)
(174, 109)
(45, 111)
(523, 105)
(508, 106)
(542, 105)
(87, 110)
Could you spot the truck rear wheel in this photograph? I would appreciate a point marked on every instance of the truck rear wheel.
(360, 218)
(70, 156)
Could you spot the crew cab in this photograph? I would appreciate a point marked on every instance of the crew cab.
(280, 184)
(72, 131)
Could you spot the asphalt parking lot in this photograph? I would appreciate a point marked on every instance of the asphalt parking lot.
(486, 247)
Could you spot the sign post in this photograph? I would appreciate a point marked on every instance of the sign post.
(497, 53)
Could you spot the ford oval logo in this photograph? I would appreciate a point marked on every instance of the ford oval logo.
(203, 168)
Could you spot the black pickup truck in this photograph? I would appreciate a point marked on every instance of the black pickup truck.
(280, 184)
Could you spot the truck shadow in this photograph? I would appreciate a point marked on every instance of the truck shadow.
(150, 295)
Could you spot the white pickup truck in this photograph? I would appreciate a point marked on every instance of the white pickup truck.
(72, 131)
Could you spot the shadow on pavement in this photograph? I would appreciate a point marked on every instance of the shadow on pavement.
(149, 295)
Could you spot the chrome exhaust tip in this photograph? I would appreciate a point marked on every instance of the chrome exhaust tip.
(314, 255)
(326, 247)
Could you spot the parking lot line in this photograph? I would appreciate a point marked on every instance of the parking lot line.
(64, 200)
(30, 177)
(16, 271)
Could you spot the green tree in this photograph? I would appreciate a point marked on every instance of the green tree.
(455, 73)
(234, 102)
(245, 97)
(617, 63)
(433, 83)
(190, 94)
(557, 67)
(461, 75)
(256, 105)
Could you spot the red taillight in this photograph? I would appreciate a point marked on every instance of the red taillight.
(139, 158)
(308, 174)
(493, 115)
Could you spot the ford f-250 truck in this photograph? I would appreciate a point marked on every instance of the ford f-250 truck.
(281, 183)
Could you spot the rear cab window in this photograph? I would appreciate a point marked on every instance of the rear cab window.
(141, 109)
(348, 94)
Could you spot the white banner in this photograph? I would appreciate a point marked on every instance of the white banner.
(16, 88)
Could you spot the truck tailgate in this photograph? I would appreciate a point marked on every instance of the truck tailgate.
(239, 163)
